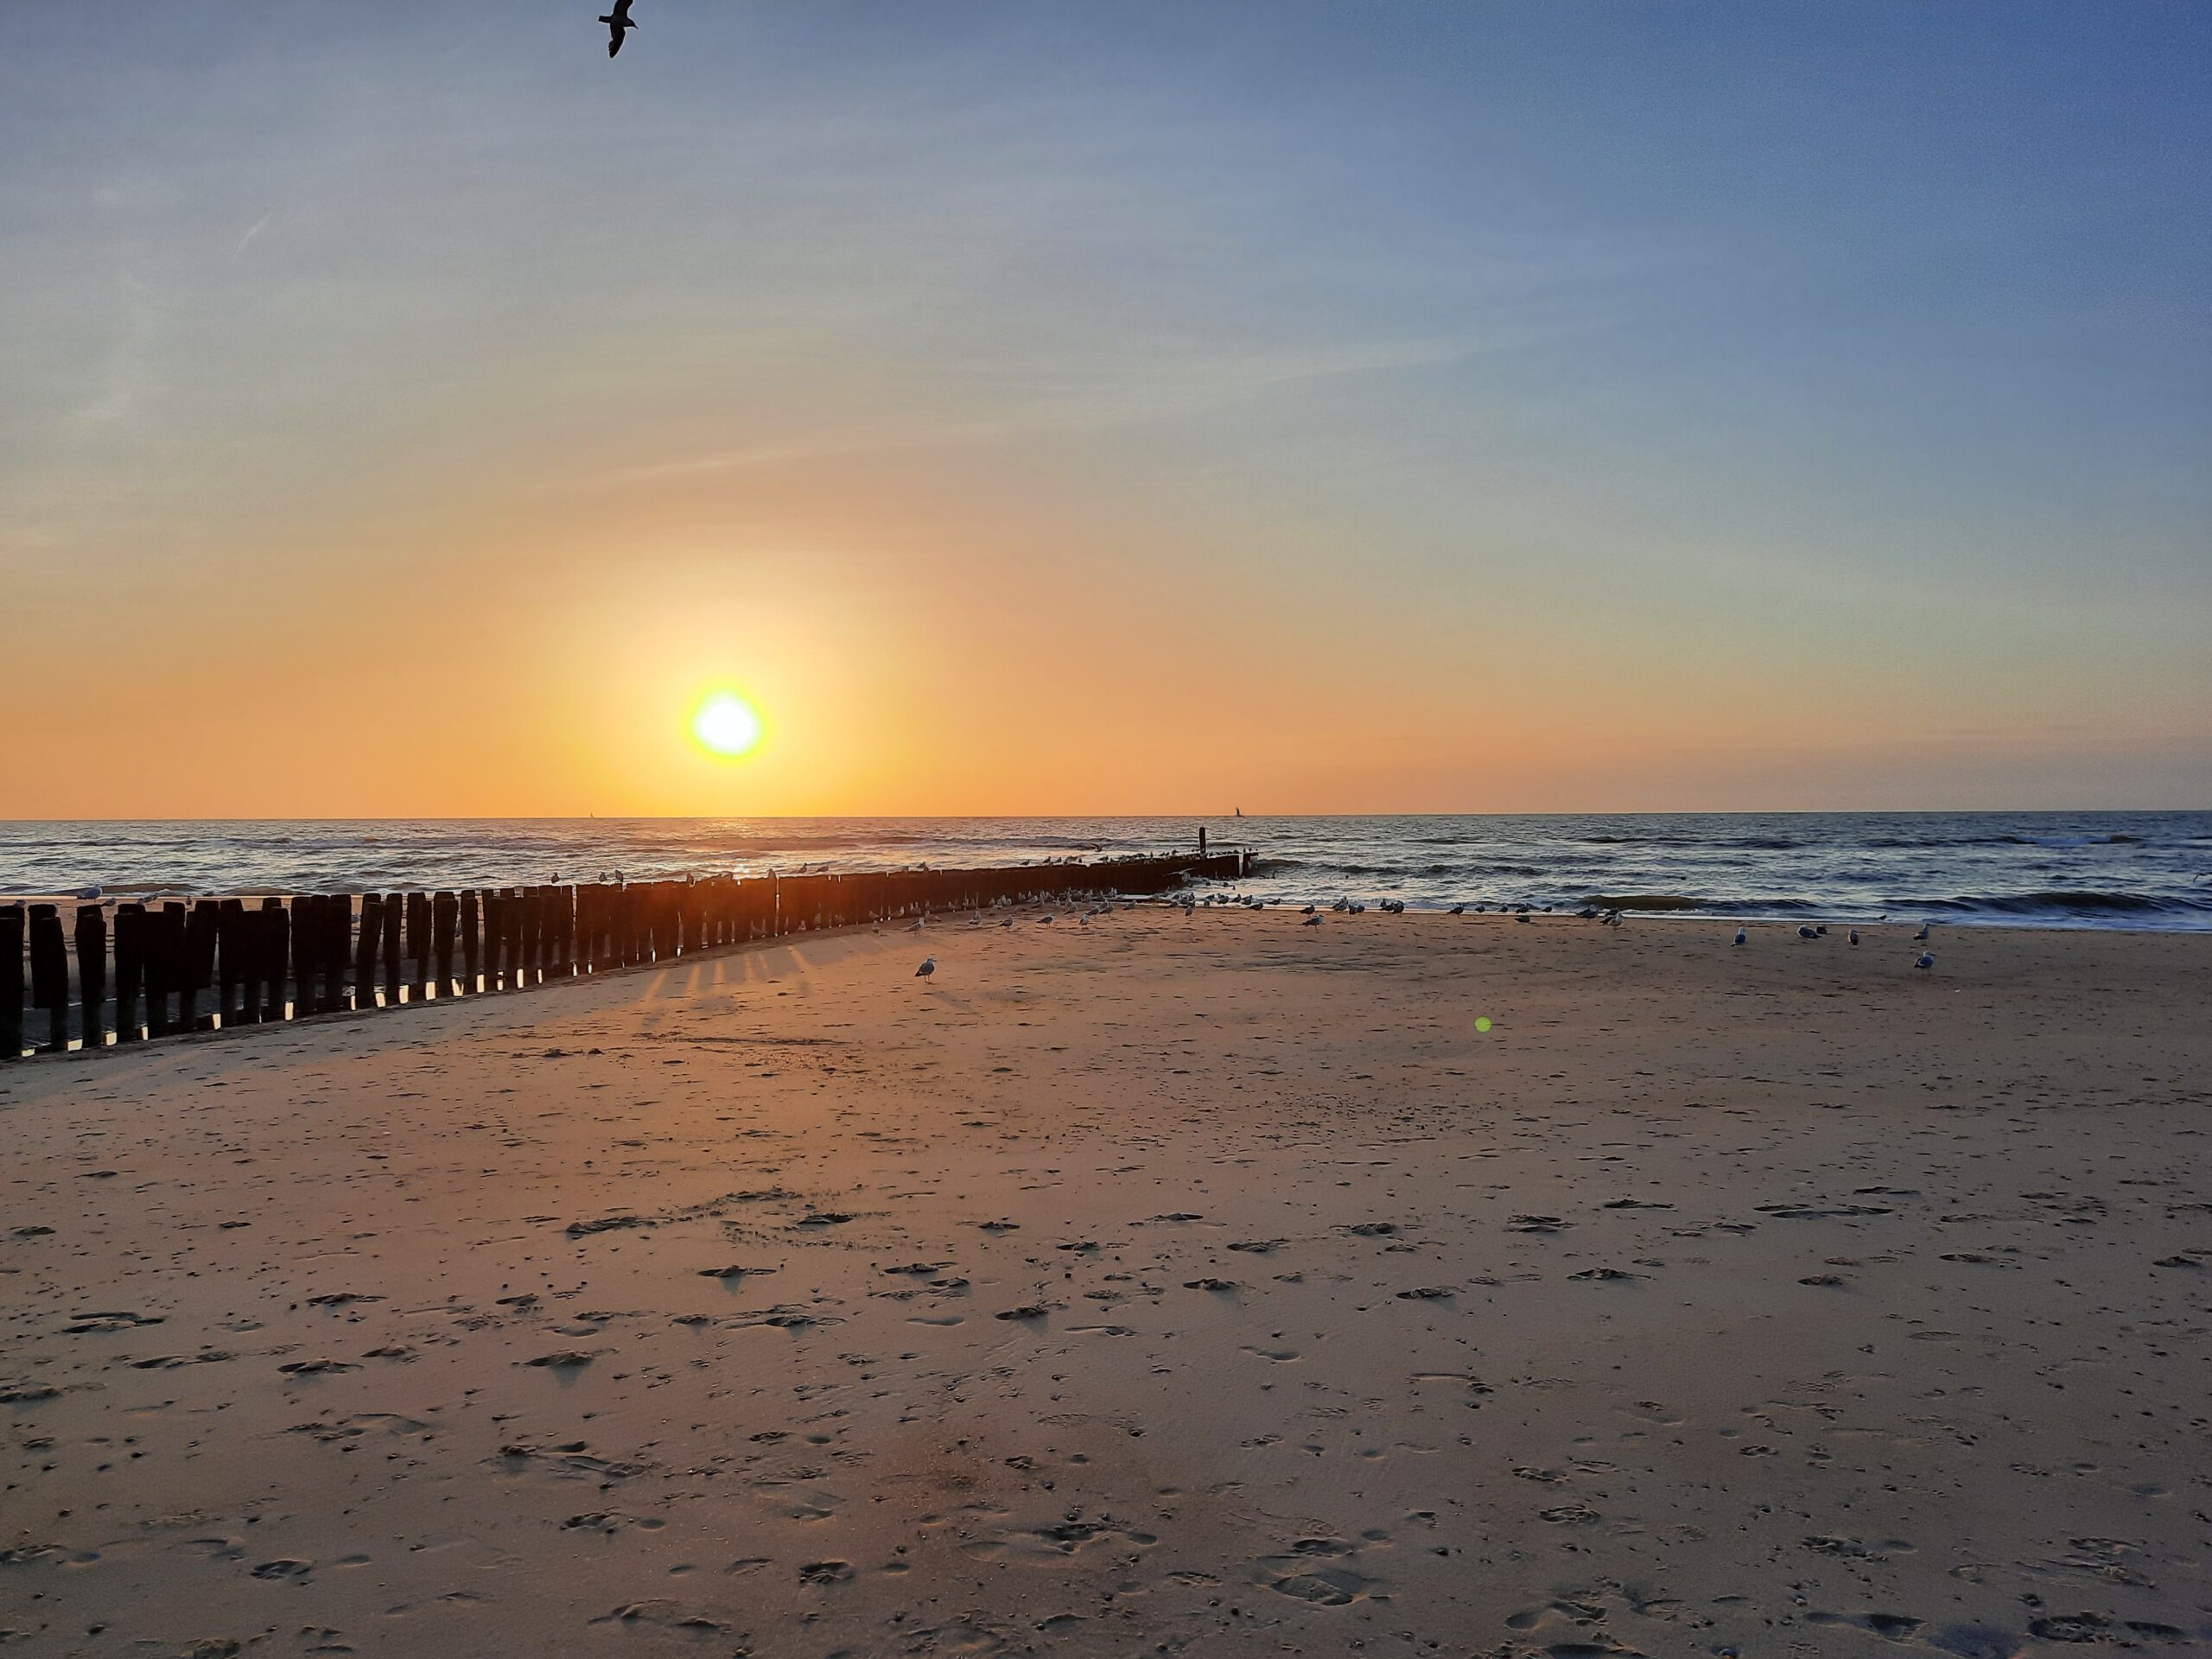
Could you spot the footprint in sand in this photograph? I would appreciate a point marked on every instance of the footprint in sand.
(1318, 1571)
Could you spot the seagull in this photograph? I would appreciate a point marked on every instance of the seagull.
(1311, 921)
(1920, 937)
(1925, 959)
(1308, 910)
(1740, 936)
(1854, 936)
(88, 895)
(929, 964)
(1457, 910)
(1807, 933)
(618, 23)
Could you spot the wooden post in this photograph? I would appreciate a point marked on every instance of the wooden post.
(394, 912)
(495, 932)
(299, 923)
(242, 951)
(11, 982)
(92, 976)
(445, 913)
(50, 975)
(229, 951)
(310, 951)
(560, 954)
(365, 947)
(276, 953)
(163, 935)
(470, 954)
(418, 945)
(533, 919)
(198, 924)
(130, 972)
(511, 923)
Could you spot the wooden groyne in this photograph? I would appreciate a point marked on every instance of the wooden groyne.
(216, 963)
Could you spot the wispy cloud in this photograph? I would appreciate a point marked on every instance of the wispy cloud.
(246, 241)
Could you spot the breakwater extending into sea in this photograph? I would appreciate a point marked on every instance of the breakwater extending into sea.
(155, 968)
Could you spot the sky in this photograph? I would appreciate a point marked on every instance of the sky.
(1045, 407)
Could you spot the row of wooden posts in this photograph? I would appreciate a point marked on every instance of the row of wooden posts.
(231, 962)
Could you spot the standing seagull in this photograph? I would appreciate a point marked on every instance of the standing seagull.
(618, 23)
(1740, 936)
(1920, 937)
(928, 967)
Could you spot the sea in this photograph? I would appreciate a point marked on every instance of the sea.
(2148, 870)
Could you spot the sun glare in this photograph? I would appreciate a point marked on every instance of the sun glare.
(726, 725)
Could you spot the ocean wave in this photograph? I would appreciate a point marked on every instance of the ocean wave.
(2056, 900)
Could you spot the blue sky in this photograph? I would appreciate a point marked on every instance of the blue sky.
(1544, 405)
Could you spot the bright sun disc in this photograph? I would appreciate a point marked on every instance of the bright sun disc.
(726, 725)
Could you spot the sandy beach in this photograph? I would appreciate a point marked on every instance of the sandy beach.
(1205, 1285)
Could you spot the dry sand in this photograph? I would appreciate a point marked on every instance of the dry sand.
(1202, 1285)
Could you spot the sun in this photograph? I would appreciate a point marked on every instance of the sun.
(726, 724)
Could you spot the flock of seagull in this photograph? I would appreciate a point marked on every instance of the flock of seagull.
(1190, 903)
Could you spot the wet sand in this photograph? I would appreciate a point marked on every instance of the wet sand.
(1205, 1285)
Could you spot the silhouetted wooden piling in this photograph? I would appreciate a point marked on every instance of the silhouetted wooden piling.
(12, 920)
(495, 929)
(312, 947)
(92, 976)
(276, 955)
(130, 970)
(445, 913)
(533, 926)
(229, 951)
(365, 944)
(50, 975)
(186, 969)
(239, 940)
(395, 913)
(161, 939)
(418, 945)
(471, 949)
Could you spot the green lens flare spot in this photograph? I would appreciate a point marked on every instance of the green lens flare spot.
(1482, 1023)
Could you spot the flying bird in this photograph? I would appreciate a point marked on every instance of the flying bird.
(618, 23)
(928, 967)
